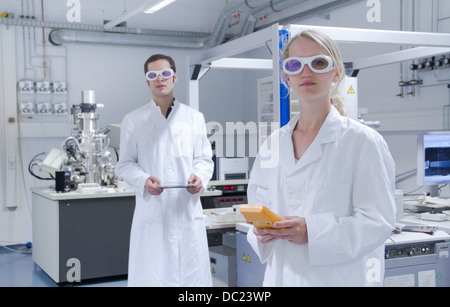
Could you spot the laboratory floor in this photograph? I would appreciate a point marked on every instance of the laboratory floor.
(17, 269)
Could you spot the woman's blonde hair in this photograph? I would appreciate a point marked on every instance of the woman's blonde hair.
(333, 50)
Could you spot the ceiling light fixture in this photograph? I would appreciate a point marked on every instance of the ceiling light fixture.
(158, 6)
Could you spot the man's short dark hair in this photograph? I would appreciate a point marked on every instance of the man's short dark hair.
(157, 57)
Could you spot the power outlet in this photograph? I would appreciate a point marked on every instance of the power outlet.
(43, 87)
(60, 108)
(43, 108)
(26, 108)
(26, 87)
(59, 88)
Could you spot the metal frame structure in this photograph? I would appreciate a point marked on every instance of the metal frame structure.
(202, 61)
(421, 44)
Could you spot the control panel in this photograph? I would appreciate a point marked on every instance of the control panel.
(232, 188)
(409, 250)
(228, 201)
(232, 194)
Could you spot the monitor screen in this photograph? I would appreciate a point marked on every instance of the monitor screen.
(434, 157)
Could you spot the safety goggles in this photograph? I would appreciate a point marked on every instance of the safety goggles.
(152, 75)
(319, 64)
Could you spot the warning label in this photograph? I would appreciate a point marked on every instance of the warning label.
(246, 258)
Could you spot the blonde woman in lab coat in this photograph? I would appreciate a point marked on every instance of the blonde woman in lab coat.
(333, 182)
(164, 142)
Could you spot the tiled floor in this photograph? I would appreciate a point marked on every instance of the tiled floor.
(17, 269)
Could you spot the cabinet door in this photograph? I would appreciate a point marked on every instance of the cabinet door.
(96, 232)
(250, 270)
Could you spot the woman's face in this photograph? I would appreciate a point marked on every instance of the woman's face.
(309, 85)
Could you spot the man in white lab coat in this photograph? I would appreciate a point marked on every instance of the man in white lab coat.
(164, 142)
(331, 177)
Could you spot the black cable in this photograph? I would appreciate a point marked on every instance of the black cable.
(31, 164)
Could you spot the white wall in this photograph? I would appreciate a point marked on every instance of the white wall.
(117, 75)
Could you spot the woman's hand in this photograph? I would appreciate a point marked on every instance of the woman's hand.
(294, 230)
(264, 235)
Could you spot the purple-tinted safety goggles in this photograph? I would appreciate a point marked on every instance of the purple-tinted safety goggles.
(152, 75)
(319, 64)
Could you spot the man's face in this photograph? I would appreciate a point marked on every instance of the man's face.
(161, 87)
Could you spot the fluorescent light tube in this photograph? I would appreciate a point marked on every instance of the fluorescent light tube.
(158, 6)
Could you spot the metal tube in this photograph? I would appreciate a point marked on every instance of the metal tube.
(59, 37)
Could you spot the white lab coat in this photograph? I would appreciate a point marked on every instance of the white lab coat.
(168, 244)
(343, 186)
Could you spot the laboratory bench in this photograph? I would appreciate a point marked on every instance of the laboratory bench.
(88, 230)
(410, 218)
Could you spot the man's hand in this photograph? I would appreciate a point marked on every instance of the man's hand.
(152, 185)
(197, 182)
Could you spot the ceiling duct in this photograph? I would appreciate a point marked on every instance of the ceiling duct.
(61, 36)
(191, 40)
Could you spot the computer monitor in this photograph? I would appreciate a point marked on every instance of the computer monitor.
(433, 158)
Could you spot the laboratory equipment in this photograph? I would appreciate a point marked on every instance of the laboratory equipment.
(89, 188)
(411, 259)
(114, 135)
(233, 168)
(223, 216)
(84, 155)
(175, 186)
(230, 192)
(250, 270)
(62, 181)
(399, 204)
(417, 259)
(93, 228)
(220, 206)
(424, 203)
(223, 262)
(433, 159)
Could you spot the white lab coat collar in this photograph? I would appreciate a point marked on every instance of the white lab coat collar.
(154, 106)
(329, 132)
